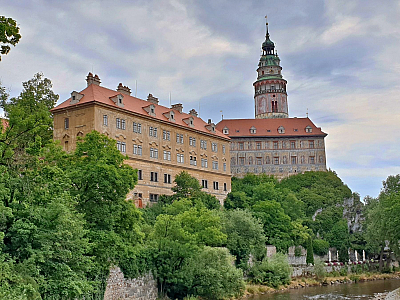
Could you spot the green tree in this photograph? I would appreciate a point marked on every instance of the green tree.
(176, 238)
(277, 225)
(245, 235)
(29, 119)
(9, 34)
(211, 275)
(310, 252)
(187, 186)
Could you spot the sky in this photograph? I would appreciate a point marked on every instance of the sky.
(340, 58)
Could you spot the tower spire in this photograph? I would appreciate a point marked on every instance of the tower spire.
(266, 25)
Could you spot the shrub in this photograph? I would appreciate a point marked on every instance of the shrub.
(211, 274)
(354, 277)
(343, 271)
(297, 251)
(319, 269)
(273, 271)
(320, 247)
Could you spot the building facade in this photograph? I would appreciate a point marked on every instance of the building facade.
(159, 141)
(273, 143)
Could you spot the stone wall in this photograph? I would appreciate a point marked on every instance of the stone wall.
(121, 288)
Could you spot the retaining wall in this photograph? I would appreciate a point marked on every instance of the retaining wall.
(121, 288)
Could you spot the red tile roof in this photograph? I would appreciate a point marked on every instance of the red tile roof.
(269, 127)
(98, 94)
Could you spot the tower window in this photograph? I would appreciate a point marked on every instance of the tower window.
(66, 123)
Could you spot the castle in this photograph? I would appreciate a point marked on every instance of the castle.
(162, 141)
(159, 141)
(273, 143)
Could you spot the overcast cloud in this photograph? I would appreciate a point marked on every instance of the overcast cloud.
(340, 57)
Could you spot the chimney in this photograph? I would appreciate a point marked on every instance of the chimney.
(96, 80)
(123, 89)
(89, 79)
(152, 99)
(209, 121)
(193, 112)
(178, 107)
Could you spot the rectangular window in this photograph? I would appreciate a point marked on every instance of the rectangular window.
(214, 147)
(241, 146)
(137, 149)
(66, 123)
(123, 124)
(215, 185)
(152, 131)
(137, 127)
(258, 160)
(121, 146)
(167, 178)
(292, 145)
(179, 158)
(153, 153)
(312, 160)
(225, 189)
(153, 197)
(276, 160)
(203, 144)
(224, 165)
(258, 145)
(154, 176)
(105, 120)
(193, 160)
(275, 145)
(192, 141)
(167, 155)
(223, 149)
(118, 123)
(204, 163)
(294, 160)
(179, 138)
(166, 135)
(140, 174)
(215, 165)
(311, 144)
(241, 161)
(204, 184)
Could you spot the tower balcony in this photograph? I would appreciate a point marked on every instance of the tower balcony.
(260, 92)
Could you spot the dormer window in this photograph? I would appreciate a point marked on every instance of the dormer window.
(225, 130)
(118, 100)
(281, 129)
(172, 115)
(309, 129)
(253, 130)
(150, 109)
(75, 97)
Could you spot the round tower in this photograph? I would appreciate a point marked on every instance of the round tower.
(270, 97)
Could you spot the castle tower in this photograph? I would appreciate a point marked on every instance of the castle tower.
(270, 97)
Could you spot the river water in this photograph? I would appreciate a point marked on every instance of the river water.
(359, 291)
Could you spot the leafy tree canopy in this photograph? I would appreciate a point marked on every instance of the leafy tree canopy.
(9, 34)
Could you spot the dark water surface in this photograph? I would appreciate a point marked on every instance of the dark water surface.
(359, 291)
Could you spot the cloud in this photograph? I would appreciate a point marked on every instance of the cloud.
(341, 64)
